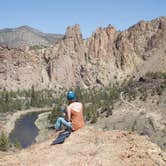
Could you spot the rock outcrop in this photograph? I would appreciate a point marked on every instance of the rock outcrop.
(108, 56)
(18, 69)
(141, 109)
(91, 147)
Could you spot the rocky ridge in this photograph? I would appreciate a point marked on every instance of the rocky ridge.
(26, 36)
(89, 146)
(106, 57)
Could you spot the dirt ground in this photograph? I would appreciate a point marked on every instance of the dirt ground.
(89, 146)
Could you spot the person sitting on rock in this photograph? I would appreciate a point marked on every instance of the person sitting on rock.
(73, 114)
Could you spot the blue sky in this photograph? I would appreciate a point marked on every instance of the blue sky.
(53, 16)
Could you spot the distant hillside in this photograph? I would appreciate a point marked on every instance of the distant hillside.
(26, 36)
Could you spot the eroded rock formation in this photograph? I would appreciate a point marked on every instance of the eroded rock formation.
(105, 57)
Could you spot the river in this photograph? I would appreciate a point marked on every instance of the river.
(25, 131)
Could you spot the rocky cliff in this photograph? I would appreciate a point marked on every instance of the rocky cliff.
(105, 57)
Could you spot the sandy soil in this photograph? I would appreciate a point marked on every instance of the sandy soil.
(89, 146)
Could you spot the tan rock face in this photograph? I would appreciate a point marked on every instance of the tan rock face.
(19, 69)
(105, 57)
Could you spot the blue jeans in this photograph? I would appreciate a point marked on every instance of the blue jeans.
(61, 121)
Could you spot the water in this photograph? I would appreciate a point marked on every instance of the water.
(25, 130)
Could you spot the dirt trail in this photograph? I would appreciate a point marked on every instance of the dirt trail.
(130, 104)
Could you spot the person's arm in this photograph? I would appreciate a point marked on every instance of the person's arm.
(68, 113)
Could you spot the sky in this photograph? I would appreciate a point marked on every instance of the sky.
(53, 16)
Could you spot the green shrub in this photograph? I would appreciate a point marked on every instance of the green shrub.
(54, 114)
(93, 100)
(17, 144)
(93, 119)
(159, 90)
(37, 47)
(156, 75)
(4, 142)
(58, 102)
(132, 94)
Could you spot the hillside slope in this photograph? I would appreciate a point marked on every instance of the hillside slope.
(91, 147)
(142, 109)
(107, 56)
(26, 36)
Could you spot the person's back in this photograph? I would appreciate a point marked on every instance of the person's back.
(74, 119)
(76, 109)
